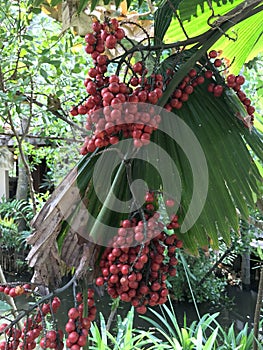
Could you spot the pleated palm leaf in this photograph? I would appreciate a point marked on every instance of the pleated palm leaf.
(211, 192)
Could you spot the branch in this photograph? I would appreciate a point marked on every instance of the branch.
(20, 145)
(39, 302)
(211, 38)
(51, 138)
(225, 22)
(215, 265)
(57, 114)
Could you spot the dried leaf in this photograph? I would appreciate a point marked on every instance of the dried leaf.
(81, 22)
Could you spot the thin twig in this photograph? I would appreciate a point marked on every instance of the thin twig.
(39, 302)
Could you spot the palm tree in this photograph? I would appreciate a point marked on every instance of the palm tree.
(210, 143)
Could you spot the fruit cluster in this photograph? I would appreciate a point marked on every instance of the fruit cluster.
(26, 339)
(78, 326)
(139, 260)
(14, 291)
(114, 106)
(235, 82)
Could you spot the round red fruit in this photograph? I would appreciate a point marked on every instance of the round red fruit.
(90, 39)
(250, 110)
(212, 54)
(240, 80)
(100, 281)
(111, 41)
(192, 73)
(137, 67)
(73, 337)
(74, 111)
(208, 74)
(52, 335)
(12, 293)
(102, 60)
(141, 309)
(96, 26)
(231, 78)
(73, 313)
(218, 90)
(82, 341)
(119, 34)
(217, 62)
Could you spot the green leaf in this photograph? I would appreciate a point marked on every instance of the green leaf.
(38, 2)
(55, 63)
(94, 3)
(4, 307)
(117, 3)
(211, 341)
(82, 5)
(194, 18)
(247, 45)
(36, 10)
(44, 74)
(55, 2)
(162, 19)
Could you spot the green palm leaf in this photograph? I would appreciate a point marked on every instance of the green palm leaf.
(239, 45)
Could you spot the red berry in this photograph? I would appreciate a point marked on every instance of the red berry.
(90, 39)
(212, 54)
(218, 90)
(246, 102)
(189, 89)
(73, 313)
(141, 309)
(138, 67)
(119, 34)
(192, 73)
(111, 41)
(12, 292)
(208, 74)
(96, 26)
(250, 110)
(231, 78)
(100, 281)
(240, 80)
(217, 62)
(82, 341)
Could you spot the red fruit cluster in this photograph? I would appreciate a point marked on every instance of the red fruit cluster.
(111, 108)
(104, 35)
(235, 82)
(52, 340)
(33, 329)
(14, 291)
(141, 257)
(184, 89)
(78, 326)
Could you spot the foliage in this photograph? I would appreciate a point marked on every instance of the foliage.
(39, 78)
(206, 333)
(191, 270)
(166, 333)
(126, 336)
(16, 210)
(11, 213)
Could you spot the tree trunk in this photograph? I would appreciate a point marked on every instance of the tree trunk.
(22, 188)
(258, 309)
(245, 270)
(22, 182)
